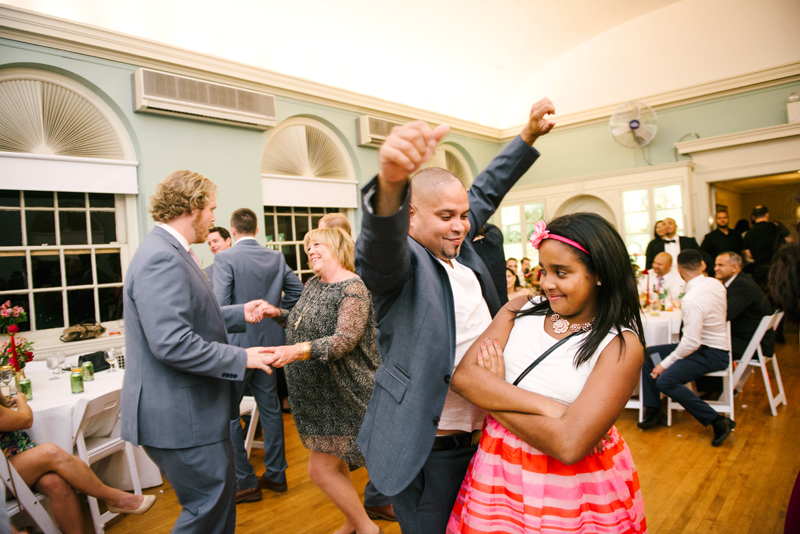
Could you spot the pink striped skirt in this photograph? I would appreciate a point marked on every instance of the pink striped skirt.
(511, 487)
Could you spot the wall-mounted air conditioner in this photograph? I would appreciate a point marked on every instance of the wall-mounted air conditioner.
(372, 131)
(171, 94)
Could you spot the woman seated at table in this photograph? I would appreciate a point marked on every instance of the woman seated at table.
(51, 470)
(332, 358)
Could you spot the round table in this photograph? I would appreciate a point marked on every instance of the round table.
(661, 329)
(53, 403)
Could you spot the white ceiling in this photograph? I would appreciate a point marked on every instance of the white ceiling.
(473, 59)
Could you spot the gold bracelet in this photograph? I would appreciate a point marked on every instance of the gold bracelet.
(303, 351)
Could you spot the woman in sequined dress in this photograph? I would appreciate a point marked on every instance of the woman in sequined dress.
(331, 358)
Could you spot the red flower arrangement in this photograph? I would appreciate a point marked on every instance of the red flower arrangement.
(16, 351)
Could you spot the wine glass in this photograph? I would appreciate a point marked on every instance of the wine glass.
(111, 359)
(52, 364)
(5, 377)
(61, 357)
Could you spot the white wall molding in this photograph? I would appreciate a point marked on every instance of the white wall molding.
(35, 28)
(738, 138)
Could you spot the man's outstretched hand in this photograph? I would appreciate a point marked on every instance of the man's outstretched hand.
(538, 125)
(403, 153)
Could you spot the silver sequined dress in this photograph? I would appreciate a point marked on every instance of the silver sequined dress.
(330, 391)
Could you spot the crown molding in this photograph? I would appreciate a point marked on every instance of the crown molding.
(35, 28)
(739, 138)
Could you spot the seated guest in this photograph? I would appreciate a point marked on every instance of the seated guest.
(57, 473)
(513, 287)
(658, 232)
(723, 239)
(666, 276)
(511, 263)
(670, 243)
(219, 239)
(703, 349)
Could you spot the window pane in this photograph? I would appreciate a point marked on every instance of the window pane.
(512, 234)
(637, 244)
(303, 258)
(301, 226)
(676, 214)
(41, 226)
(80, 303)
(49, 310)
(71, 200)
(305, 277)
(315, 221)
(269, 209)
(534, 213)
(110, 303)
(637, 223)
(22, 301)
(79, 268)
(290, 253)
(634, 201)
(46, 269)
(11, 223)
(301, 210)
(39, 199)
(269, 227)
(101, 200)
(9, 198)
(510, 215)
(13, 272)
(72, 225)
(109, 267)
(667, 197)
(285, 228)
(283, 209)
(104, 227)
(317, 210)
(513, 251)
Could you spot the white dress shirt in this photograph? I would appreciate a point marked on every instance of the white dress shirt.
(704, 311)
(472, 318)
(673, 249)
(673, 283)
(176, 234)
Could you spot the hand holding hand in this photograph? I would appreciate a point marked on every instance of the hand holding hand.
(407, 149)
(251, 311)
(538, 125)
(257, 360)
(280, 356)
(490, 358)
(268, 310)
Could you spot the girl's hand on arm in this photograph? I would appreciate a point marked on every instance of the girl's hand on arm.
(490, 357)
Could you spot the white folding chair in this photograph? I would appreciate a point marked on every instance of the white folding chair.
(636, 402)
(95, 434)
(725, 402)
(249, 407)
(24, 498)
(747, 363)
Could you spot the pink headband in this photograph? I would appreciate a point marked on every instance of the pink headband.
(540, 233)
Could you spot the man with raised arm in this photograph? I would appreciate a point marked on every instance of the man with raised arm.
(433, 297)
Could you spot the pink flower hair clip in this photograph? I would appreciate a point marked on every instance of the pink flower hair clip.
(540, 233)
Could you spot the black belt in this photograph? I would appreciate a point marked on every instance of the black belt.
(453, 442)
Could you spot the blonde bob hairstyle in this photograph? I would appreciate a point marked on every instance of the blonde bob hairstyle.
(340, 243)
(180, 193)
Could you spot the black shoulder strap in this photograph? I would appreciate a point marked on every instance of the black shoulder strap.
(542, 357)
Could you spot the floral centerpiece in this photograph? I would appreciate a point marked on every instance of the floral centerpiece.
(16, 351)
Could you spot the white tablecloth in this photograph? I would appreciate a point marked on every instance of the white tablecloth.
(661, 329)
(53, 403)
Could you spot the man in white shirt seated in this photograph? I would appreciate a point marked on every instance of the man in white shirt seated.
(703, 349)
(666, 276)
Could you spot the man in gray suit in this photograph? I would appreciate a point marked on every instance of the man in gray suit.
(219, 239)
(433, 297)
(246, 272)
(180, 376)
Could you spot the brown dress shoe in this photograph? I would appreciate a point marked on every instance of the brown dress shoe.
(248, 495)
(277, 487)
(381, 512)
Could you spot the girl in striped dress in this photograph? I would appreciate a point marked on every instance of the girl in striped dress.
(550, 459)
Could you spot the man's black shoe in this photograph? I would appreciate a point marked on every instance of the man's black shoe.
(722, 429)
(653, 417)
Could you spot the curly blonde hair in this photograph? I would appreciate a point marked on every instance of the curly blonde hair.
(340, 243)
(180, 193)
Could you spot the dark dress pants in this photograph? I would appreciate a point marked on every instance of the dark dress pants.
(672, 382)
(374, 498)
(424, 506)
(205, 484)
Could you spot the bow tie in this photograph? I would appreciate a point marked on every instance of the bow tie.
(669, 241)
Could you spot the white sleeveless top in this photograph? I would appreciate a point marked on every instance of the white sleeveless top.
(556, 376)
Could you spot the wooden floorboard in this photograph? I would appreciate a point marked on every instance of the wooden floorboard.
(688, 485)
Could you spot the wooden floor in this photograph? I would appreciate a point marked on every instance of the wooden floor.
(688, 486)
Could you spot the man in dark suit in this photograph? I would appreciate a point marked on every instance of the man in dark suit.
(219, 239)
(671, 243)
(177, 397)
(245, 272)
(723, 239)
(432, 295)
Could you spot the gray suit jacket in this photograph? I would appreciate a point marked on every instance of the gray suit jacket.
(416, 322)
(210, 273)
(249, 271)
(179, 373)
